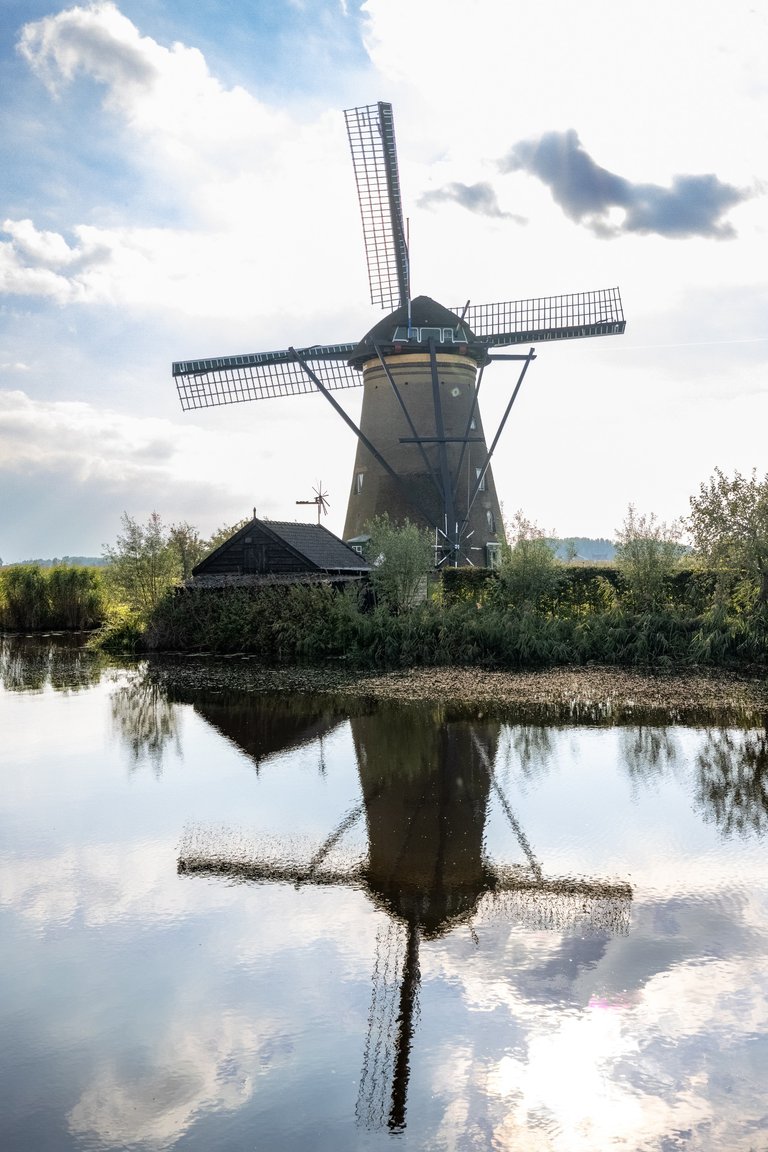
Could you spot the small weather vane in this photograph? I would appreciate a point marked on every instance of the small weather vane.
(320, 500)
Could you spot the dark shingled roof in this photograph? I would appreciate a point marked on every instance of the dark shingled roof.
(318, 545)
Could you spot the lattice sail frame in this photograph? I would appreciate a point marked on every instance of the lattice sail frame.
(580, 314)
(371, 131)
(262, 375)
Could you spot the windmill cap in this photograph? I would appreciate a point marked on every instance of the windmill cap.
(429, 320)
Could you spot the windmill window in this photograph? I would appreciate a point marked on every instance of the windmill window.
(359, 476)
(490, 520)
(480, 475)
(472, 425)
(493, 553)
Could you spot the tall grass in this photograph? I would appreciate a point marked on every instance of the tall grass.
(63, 597)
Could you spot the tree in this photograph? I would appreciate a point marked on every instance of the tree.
(187, 547)
(529, 571)
(142, 565)
(647, 553)
(728, 525)
(401, 555)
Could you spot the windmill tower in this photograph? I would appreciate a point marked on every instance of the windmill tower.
(422, 451)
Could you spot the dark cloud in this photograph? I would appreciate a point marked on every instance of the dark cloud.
(479, 198)
(691, 206)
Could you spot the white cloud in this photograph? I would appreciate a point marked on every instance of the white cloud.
(165, 96)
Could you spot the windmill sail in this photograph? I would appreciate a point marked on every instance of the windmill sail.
(371, 131)
(569, 317)
(262, 375)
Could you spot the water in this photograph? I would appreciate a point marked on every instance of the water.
(280, 922)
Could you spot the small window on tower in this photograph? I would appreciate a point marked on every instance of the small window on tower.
(472, 424)
(490, 520)
(480, 475)
(359, 482)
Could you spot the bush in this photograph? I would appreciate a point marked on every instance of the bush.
(647, 555)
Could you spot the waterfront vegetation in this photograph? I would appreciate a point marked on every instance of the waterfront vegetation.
(586, 617)
(660, 604)
(64, 597)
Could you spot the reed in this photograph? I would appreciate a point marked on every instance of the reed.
(65, 597)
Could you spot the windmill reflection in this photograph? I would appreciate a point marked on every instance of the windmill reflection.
(426, 777)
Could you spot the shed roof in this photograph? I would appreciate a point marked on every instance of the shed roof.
(318, 545)
(321, 550)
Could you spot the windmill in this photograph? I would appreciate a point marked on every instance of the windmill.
(320, 500)
(422, 452)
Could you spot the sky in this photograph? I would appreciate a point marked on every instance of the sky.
(175, 183)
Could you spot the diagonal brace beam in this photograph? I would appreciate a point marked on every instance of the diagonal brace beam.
(484, 467)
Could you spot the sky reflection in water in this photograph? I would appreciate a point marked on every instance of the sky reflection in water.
(298, 922)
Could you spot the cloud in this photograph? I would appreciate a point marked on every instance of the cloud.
(43, 263)
(166, 97)
(68, 470)
(227, 170)
(479, 198)
(691, 206)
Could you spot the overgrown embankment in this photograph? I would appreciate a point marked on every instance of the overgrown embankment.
(578, 619)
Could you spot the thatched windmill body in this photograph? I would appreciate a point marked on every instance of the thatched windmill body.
(422, 450)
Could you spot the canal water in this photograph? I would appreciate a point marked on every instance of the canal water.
(238, 920)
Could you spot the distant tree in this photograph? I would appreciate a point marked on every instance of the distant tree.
(728, 525)
(647, 553)
(402, 556)
(187, 547)
(529, 569)
(142, 565)
(570, 550)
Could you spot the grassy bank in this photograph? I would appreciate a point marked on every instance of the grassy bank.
(314, 625)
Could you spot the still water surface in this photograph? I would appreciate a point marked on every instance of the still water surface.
(238, 921)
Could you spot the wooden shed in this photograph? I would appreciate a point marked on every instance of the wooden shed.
(276, 551)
